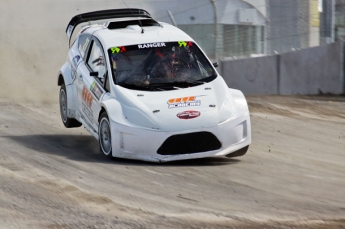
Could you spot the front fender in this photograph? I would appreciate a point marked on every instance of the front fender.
(127, 115)
(114, 111)
(242, 110)
(240, 101)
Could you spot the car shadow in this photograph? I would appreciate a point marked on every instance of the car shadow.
(86, 148)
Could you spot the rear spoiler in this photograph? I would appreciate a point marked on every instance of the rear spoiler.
(103, 14)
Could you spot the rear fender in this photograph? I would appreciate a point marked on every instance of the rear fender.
(65, 75)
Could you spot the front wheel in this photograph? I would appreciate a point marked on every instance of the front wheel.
(104, 134)
(68, 122)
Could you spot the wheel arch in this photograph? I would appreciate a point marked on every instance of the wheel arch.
(60, 80)
(101, 112)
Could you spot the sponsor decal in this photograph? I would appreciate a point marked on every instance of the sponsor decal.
(76, 60)
(87, 111)
(87, 103)
(189, 101)
(152, 45)
(185, 43)
(86, 97)
(96, 90)
(118, 49)
(188, 114)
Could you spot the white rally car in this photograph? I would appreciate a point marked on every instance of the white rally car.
(147, 91)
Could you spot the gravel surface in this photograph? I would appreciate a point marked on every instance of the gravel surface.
(292, 177)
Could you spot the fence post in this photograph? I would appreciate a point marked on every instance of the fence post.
(216, 31)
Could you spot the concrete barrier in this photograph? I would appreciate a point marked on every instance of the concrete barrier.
(318, 70)
(252, 76)
(313, 71)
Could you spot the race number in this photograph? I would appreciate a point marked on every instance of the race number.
(87, 97)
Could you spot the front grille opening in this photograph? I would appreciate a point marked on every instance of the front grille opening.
(189, 143)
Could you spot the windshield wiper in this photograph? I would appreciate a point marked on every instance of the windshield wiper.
(181, 83)
(194, 82)
(137, 86)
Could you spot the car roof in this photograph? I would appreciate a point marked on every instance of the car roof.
(134, 34)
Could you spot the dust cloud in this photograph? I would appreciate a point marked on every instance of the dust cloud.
(33, 45)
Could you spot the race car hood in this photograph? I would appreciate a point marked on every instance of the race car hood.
(201, 106)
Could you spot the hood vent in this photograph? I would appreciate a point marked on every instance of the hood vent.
(139, 22)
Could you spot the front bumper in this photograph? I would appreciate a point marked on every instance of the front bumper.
(143, 144)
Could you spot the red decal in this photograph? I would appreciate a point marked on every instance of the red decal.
(188, 114)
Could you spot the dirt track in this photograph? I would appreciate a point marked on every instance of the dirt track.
(293, 175)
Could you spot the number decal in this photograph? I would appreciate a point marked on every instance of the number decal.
(184, 43)
(87, 97)
(118, 49)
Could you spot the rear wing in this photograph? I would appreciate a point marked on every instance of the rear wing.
(103, 14)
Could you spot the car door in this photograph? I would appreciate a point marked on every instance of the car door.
(91, 74)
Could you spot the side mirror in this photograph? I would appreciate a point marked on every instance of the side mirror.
(215, 64)
(95, 74)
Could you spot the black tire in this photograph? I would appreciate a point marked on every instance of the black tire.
(104, 135)
(239, 152)
(68, 122)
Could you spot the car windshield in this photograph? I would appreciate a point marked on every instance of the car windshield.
(160, 66)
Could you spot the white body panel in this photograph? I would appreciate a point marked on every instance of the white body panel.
(141, 121)
(142, 144)
(140, 135)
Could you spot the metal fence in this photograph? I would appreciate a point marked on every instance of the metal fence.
(340, 19)
(247, 28)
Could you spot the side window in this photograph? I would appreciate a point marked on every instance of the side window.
(83, 43)
(96, 60)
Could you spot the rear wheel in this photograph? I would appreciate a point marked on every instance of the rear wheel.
(68, 122)
(104, 134)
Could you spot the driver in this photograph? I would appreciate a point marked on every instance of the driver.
(159, 65)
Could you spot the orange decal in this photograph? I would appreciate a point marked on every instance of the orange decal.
(87, 97)
(183, 102)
